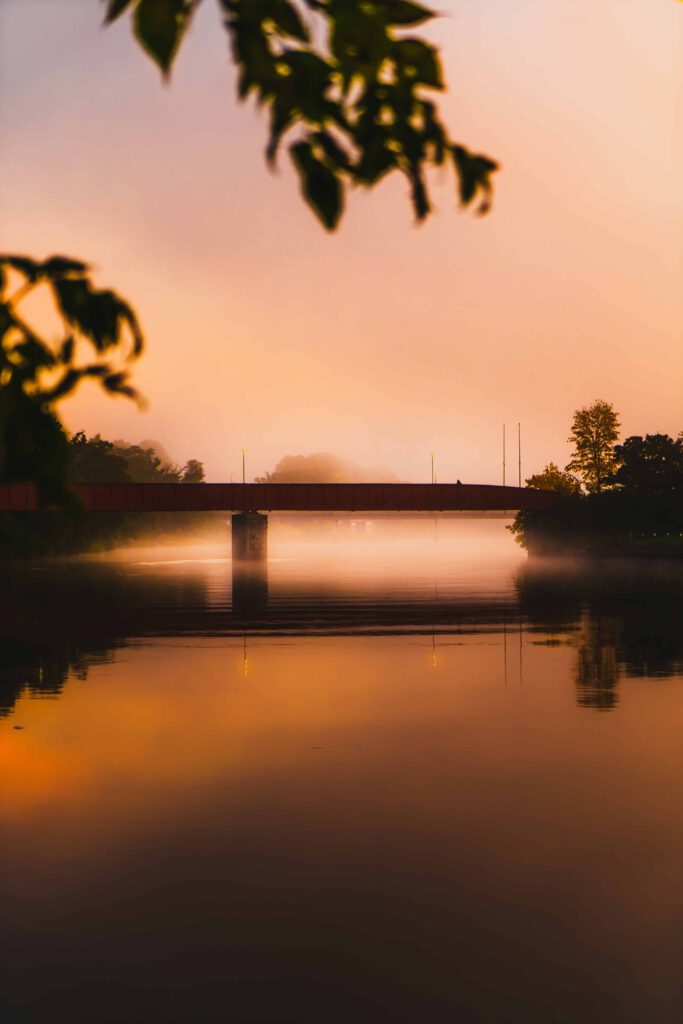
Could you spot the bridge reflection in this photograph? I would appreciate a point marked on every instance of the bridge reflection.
(58, 620)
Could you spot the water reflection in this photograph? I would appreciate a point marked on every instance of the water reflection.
(351, 792)
(621, 620)
(42, 669)
(626, 620)
(250, 591)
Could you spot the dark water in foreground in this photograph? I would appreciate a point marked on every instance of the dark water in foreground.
(399, 781)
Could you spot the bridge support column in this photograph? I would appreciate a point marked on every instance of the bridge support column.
(249, 537)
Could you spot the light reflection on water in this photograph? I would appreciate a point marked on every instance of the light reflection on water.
(376, 786)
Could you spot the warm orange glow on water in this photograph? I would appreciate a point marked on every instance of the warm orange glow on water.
(446, 781)
(168, 723)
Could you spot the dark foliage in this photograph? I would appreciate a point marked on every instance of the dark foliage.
(97, 336)
(636, 506)
(348, 80)
(95, 460)
(652, 465)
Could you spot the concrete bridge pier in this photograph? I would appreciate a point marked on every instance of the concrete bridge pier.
(249, 564)
(249, 537)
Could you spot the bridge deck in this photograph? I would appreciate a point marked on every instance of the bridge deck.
(289, 498)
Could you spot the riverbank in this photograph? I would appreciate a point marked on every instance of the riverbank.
(606, 525)
(26, 535)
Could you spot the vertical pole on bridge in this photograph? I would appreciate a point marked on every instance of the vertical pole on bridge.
(519, 454)
(503, 455)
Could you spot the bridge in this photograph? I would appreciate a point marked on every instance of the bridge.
(120, 497)
(250, 503)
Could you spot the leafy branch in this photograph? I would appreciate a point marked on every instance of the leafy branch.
(345, 79)
(99, 336)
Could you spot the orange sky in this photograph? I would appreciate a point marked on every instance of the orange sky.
(383, 342)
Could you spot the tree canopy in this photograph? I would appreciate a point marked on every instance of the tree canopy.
(552, 478)
(650, 465)
(94, 460)
(594, 432)
(323, 468)
(634, 499)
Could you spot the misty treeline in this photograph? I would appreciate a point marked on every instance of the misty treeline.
(324, 468)
(625, 497)
(96, 460)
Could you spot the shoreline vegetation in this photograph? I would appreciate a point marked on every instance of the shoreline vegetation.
(604, 526)
(71, 531)
(618, 499)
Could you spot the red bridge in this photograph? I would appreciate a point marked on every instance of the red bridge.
(288, 498)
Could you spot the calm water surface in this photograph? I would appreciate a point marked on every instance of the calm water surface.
(405, 778)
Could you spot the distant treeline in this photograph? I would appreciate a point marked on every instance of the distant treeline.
(617, 498)
(96, 460)
(324, 468)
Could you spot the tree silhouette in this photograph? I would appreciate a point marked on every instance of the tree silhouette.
(594, 432)
(651, 466)
(193, 472)
(554, 479)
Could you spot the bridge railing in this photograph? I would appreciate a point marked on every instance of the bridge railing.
(309, 497)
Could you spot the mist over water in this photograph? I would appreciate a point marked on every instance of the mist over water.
(402, 774)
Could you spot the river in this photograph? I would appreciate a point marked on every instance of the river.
(406, 777)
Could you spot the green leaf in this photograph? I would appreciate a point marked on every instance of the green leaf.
(159, 26)
(117, 384)
(287, 20)
(35, 354)
(61, 266)
(31, 269)
(418, 191)
(115, 9)
(64, 386)
(321, 187)
(376, 161)
(6, 325)
(404, 12)
(251, 52)
(419, 61)
(474, 175)
(334, 153)
(74, 300)
(66, 351)
(281, 115)
(127, 315)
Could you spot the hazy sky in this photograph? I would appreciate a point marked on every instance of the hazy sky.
(384, 341)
